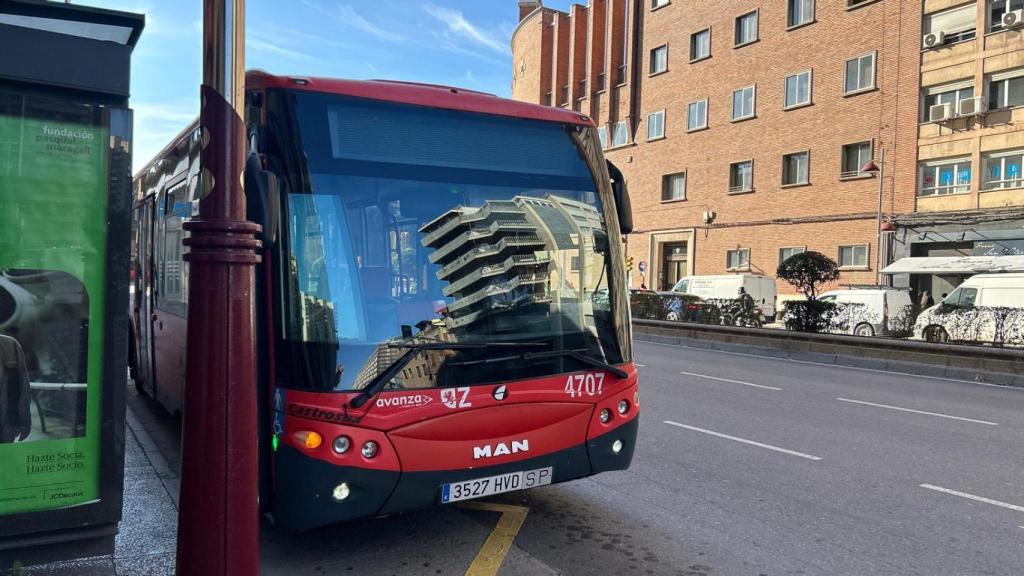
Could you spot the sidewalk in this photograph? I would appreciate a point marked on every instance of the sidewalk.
(146, 542)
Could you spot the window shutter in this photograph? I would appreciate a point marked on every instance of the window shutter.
(952, 21)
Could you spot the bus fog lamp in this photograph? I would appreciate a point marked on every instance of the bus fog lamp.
(341, 444)
(341, 492)
(606, 415)
(369, 449)
(623, 406)
(616, 446)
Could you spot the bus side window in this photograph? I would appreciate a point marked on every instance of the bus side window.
(172, 294)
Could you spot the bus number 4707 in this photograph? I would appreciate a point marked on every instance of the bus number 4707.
(591, 384)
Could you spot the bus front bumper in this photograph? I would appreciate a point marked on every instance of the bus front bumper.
(305, 488)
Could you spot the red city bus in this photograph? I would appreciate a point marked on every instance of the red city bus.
(442, 303)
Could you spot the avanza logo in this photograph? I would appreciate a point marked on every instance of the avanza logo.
(501, 449)
(403, 401)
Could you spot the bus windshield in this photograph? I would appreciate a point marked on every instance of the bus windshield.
(407, 225)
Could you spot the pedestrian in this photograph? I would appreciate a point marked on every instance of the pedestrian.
(15, 417)
(926, 300)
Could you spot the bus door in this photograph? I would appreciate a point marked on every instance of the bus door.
(144, 296)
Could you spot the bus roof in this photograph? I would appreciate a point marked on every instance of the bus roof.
(432, 95)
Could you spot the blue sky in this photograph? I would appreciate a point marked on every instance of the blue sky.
(459, 42)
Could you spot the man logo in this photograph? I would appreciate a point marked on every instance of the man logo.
(500, 449)
(500, 393)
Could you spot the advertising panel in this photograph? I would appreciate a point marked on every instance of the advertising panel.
(53, 266)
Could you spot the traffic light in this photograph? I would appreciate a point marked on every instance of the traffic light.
(629, 263)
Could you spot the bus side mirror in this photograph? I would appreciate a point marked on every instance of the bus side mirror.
(621, 195)
(263, 198)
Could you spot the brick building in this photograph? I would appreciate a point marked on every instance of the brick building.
(729, 170)
(742, 126)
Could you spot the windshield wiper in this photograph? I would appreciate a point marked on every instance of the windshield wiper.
(381, 380)
(576, 355)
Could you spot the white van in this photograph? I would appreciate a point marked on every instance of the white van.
(727, 287)
(877, 311)
(969, 313)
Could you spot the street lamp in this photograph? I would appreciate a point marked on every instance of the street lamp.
(878, 170)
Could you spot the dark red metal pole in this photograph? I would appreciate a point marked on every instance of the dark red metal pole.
(218, 520)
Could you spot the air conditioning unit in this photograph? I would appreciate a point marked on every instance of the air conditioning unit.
(934, 40)
(940, 112)
(972, 106)
(1013, 19)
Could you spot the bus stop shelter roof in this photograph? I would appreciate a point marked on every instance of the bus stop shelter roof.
(73, 20)
(955, 265)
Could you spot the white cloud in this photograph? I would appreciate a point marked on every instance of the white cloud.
(349, 17)
(258, 44)
(457, 26)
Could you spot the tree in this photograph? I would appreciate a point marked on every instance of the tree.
(808, 272)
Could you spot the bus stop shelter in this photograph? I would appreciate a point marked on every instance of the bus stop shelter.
(65, 221)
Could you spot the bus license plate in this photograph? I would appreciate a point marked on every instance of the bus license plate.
(480, 487)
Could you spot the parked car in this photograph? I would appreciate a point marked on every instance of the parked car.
(986, 308)
(671, 306)
(727, 287)
(875, 311)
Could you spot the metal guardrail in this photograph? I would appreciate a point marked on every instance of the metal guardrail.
(962, 362)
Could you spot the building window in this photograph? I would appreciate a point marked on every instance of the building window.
(952, 26)
(700, 45)
(855, 256)
(658, 3)
(746, 28)
(786, 253)
(942, 177)
(948, 94)
(855, 156)
(620, 134)
(602, 135)
(656, 125)
(796, 168)
(798, 90)
(741, 177)
(673, 187)
(998, 8)
(856, 3)
(800, 12)
(659, 59)
(860, 74)
(1006, 89)
(743, 103)
(738, 259)
(1003, 170)
(697, 115)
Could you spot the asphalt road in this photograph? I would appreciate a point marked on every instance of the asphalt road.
(746, 466)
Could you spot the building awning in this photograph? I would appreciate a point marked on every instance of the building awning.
(955, 265)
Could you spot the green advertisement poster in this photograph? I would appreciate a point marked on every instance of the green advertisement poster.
(53, 214)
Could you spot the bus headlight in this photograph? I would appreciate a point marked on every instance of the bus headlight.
(369, 449)
(341, 444)
(623, 406)
(616, 446)
(341, 492)
(606, 415)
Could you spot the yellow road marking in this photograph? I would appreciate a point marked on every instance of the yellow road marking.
(491, 555)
